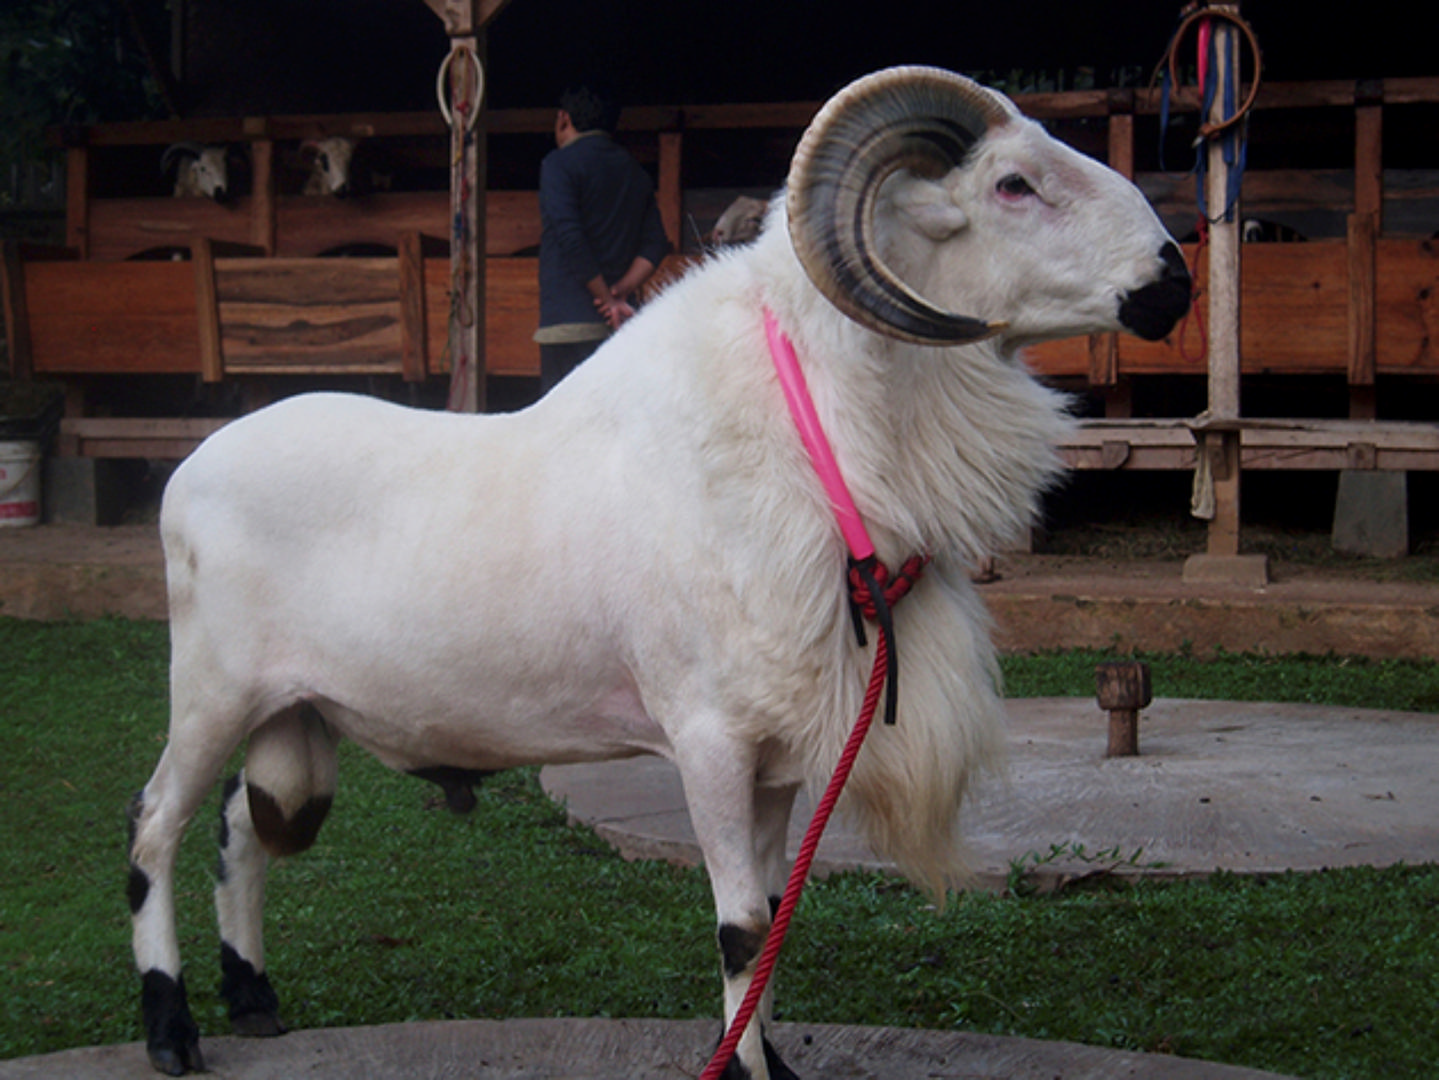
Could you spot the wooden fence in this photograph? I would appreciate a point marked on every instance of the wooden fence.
(252, 298)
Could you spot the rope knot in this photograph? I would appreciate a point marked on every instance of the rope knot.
(873, 591)
(893, 590)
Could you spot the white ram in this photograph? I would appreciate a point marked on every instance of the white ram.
(199, 170)
(644, 562)
(331, 162)
(740, 223)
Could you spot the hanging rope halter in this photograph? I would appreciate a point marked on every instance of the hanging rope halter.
(1200, 18)
(467, 86)
(873, 593)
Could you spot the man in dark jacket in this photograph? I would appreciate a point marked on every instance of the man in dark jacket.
(601, 235)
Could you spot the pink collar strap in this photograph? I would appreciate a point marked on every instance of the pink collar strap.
(801, 408)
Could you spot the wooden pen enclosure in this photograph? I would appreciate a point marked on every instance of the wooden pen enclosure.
(256, 293)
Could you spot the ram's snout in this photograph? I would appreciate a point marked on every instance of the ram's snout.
(1152, 311)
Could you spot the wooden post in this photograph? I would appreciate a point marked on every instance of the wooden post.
(1104, 348)
(670, 193)
(465, 21)
(1221, 443)
(1365, 225)
(77, 200)
(1122, 689)
(262, 198)
(207, 310)
(412, 307)
(1224, 312)
(467, 233)
(17, 313)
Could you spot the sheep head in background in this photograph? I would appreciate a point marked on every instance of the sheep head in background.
(740, 223)
(331, 163)
(199, 170)
(458, 594)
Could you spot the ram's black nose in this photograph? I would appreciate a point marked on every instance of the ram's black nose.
(1153, 310)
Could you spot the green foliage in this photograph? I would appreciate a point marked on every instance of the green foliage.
(1357, 682)
(1100, 864)
(403, 911)
(65, 62)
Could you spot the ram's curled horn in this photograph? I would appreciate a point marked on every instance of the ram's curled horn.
(175, 151)
(917, 118)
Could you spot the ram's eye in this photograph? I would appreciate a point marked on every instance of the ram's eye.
(1014, 186)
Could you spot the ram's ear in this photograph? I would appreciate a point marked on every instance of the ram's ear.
(929, 209)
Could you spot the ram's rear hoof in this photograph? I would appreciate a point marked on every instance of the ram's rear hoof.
(254, 1006)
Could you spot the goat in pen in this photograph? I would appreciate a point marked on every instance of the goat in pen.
(433, 586)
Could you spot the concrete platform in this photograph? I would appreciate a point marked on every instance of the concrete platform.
(1217, 785)
(623, 1050)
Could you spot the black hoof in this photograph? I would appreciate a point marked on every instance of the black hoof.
(778, 1070)
(254, 1005)
(171, 1038)
(177, 1063)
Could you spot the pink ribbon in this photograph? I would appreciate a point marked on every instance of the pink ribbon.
(801, 408)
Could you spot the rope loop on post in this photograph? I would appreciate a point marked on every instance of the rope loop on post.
(469, 110)
(1200, 13)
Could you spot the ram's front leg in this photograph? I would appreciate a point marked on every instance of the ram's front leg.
(719, 781)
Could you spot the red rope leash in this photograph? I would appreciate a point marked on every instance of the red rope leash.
(1194, 315)
(892, 592)
(872, 593)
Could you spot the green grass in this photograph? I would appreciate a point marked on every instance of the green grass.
(403, 911)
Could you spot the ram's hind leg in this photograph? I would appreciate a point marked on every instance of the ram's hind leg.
(275, 807)
(187, 770)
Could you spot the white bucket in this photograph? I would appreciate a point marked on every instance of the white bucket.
(19, 483)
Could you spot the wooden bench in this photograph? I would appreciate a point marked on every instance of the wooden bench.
(1363, 445)
(163, 439)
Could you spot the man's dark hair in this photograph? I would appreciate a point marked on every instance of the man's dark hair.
(591, 107)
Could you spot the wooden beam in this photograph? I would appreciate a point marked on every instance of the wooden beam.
(104, 437)
(670, 193)
(1363, 291)
(262, 196)
(77, 200)
(1369, 160)
(17, 314)
(207, 311)
(465, 18)
(1364, 226)
(722, 116)
(412, 308)
(1104, 348)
